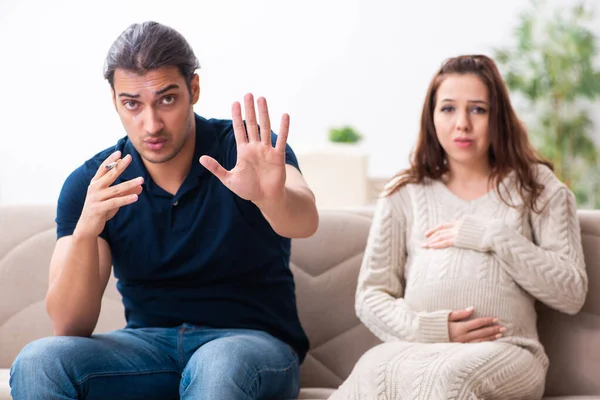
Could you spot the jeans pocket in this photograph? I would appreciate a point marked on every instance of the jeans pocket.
(291, 352)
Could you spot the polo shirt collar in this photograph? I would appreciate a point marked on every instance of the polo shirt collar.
(207, 143)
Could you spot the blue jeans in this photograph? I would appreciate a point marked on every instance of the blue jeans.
(185, 362)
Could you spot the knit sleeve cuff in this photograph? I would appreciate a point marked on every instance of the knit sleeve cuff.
(433, 326)
(472, 234)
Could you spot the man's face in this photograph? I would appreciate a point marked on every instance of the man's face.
(156, 109)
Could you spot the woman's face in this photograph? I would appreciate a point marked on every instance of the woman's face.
(461, 117)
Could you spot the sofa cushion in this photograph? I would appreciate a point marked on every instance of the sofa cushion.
(313, 394)
(4, 387)
(573, 398)
(305, 394)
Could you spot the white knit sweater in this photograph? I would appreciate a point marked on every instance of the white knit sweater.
(503, 259)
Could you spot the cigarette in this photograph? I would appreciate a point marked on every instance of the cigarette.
(111, 165)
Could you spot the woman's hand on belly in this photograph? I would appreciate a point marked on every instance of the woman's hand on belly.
(483, 329)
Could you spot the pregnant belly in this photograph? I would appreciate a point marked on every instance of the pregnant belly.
(511, 305)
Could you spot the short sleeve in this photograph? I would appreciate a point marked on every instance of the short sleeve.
(290, 156)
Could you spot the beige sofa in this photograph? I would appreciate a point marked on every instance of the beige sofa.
(326, 268)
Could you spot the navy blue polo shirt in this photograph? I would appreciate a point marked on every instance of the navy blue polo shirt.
(203, 256)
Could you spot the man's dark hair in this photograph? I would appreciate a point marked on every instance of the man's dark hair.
(149, 46)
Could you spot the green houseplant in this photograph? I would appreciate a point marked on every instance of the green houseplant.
(551, 67)
(344, 134)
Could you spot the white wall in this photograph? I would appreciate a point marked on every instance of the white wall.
(326, 62)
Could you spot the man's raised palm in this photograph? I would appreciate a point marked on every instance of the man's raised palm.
(259, 173)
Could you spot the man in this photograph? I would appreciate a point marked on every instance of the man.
(196, 217)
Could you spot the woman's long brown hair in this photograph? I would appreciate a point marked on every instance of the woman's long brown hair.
(510, 149)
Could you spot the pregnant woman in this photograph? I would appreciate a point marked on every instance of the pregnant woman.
(462, 245)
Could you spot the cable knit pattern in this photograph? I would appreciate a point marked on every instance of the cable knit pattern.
(503, 260)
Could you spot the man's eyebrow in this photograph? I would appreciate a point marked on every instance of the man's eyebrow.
(166, 89)
(158, 92)
(133, 96)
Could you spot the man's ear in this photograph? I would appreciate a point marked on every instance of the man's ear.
(195, 88)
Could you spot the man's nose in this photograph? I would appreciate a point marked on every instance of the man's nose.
(152, 122)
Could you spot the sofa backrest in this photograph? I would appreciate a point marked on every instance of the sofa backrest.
(27, 238)
(325, 267)
(573, 342)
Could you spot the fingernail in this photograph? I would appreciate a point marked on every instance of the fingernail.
(498, 336)
(503, 329)
(495, 320)
(470, 308)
